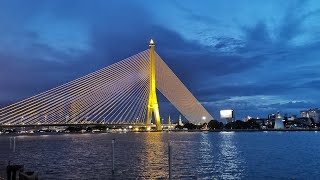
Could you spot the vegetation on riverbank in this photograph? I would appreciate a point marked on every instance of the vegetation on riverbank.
(216, 125)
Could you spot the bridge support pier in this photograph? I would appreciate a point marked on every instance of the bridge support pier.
(153, 106)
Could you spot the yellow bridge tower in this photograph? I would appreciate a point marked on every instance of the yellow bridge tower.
(153, 102)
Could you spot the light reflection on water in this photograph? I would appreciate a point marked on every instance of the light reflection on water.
(155, 153)
(229, 163)
(196, 155)
(207, 158)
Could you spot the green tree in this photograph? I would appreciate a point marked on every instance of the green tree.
(214, 124)
(178, 126)
(74, 129)
(251, 124)
(238, 124)
(190, 126)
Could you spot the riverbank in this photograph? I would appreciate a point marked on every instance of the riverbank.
(252, 130)
(166, 131)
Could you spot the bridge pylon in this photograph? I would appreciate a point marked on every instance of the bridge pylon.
(153, 106)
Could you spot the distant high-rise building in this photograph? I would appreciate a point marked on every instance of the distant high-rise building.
(313, 114)
(180, 121)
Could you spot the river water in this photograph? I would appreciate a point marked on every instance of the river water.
(196, 155)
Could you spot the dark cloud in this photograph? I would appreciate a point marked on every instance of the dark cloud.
(259, 33)
(296, 106)
(313, 84)
(197, 17)
(292, 22)
(45, 67)
(243, 90)
(118, 29)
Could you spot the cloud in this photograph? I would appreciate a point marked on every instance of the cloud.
(45, 44)
(38, 63)
(292, 105)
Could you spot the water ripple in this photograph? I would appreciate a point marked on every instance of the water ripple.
(145, 155)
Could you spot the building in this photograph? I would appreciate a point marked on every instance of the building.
(180, 123)
(312, 114)
(278, 122)
(227, 114)
(261, 121)
(292, 118)
(271, 116)
(303, 122)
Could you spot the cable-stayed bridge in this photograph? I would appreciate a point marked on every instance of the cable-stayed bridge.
(124, 92)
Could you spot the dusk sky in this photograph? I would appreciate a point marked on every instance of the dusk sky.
(256, 57)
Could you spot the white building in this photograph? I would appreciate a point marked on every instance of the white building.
(313, 114)
(180, 121)
(278, 122)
